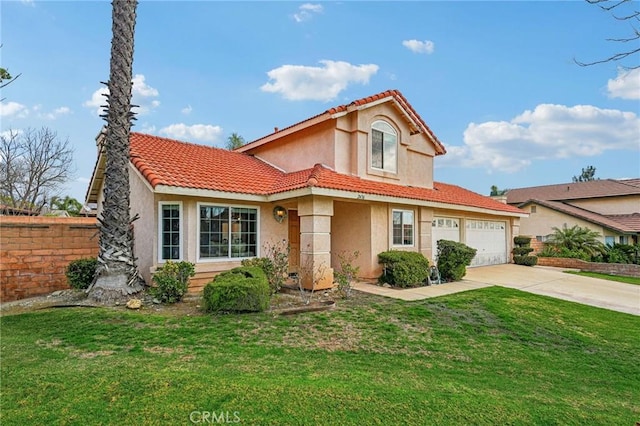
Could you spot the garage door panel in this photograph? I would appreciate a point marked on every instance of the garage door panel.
(444, 228)
(489, 239)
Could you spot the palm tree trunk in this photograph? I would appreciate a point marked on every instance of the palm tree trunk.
(117, 275)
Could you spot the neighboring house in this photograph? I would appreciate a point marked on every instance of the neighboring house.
(609, 207)
(358, 177)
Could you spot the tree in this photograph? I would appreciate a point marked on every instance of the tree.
(621, 10)
(68, 204)
(577, 239)
(235, 141)
(587, 175)
(34, 164)
(6, 78)
(117, 275)
(497, 192)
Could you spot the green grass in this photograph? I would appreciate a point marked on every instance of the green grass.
(492, 356)
(619, 278)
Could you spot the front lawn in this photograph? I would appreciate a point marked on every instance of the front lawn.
(619, 278)
(492, 356)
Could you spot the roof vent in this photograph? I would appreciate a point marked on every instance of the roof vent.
(275, 130)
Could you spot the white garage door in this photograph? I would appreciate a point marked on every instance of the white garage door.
(489, 238)
(444, 228)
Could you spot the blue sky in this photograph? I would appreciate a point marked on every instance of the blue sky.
(495, 81)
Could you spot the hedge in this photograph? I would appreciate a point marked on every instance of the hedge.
(403, 268)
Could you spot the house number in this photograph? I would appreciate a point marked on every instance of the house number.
(360, 197)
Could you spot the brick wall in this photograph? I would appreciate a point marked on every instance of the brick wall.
(34, 252)
(604, 268)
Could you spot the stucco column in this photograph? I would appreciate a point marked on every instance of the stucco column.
(315, 241)
(425, 217)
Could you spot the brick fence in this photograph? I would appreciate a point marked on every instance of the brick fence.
(34, 252)
(603, 268)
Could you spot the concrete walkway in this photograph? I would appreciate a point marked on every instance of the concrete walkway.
(538, 280)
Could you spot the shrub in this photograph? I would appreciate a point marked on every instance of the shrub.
(172, 281)
(275, 264)
(621, 253)
(243, 289)
(522, 240)
(525, 260)
(80, 272)
(403, 268)
(453, 259)
(521, 251)
(347, 273)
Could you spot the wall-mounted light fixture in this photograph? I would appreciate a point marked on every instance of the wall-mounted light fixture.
(279, 213)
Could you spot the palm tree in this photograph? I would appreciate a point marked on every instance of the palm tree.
(577, 239)
(234, 141)
(117, 276)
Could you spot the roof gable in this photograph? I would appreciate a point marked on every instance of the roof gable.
(416, 123)
(621, 223)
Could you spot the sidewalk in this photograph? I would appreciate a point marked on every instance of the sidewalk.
(538, 280)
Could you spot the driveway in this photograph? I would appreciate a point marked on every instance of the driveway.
(538, 280)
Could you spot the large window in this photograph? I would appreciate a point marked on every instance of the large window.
(402, 228)
(170, 231)
(227, 232)
(384, 147)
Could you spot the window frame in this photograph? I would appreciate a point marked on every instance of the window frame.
(396, 133)
(402, 224)
(228, 258)
(180, 230)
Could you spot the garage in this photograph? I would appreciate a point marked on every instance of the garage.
(489, 238)
(444, 228)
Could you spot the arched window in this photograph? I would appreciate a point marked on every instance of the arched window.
(384, 147)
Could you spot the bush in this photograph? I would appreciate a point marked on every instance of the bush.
(275, 264)
(172, 281)
(525, 260)
(347, 273)
(80, 273)
(403, 268)
(521, 251)
(243, 289)
(522, 241)
(453, 259)
(621, 253)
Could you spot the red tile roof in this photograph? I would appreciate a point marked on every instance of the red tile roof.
(169, 162)
(574, 191)
(412, 115)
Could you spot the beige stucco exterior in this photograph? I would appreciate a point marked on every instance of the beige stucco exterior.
(541, 223)
(622, 204)
(331, 222)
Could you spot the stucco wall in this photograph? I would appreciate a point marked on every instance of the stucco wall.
(541, 222)
(141, 202)
(350, 232)
(611, 205)
(301, 150)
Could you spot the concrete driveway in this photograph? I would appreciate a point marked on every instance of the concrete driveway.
(538, 280)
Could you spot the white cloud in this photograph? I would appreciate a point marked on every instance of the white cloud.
(147, 128)
(13, 109)
(306, 11)
(142, 96)
(299, 82)
(186, 110)
(28, 3)
(547, 132)
(626, 85)
(200, 132)
(418, 46)
(58, 112)
(11, 132)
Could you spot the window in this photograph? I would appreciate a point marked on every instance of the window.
(402, 228)
(227, 232)
(170, 231)
(384, 147)
(534, 209)
(609, 240)
(623, 239)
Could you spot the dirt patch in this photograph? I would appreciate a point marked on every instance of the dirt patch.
(191, 305)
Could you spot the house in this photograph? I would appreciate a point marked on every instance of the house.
(608, 206)
(357, 177)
